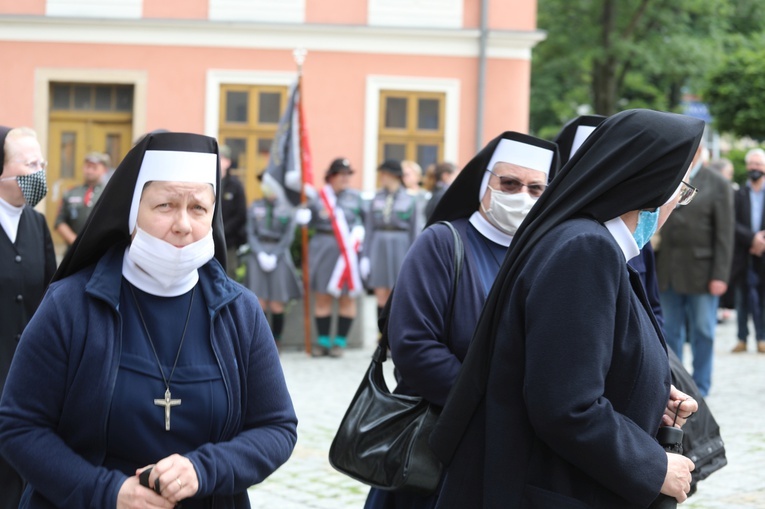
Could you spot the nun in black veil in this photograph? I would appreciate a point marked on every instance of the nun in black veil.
(141, 325)
(567, 379)
(701, 437)
(485, 205)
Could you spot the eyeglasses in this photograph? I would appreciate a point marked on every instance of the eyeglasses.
(37, 165)
(512, 185)
(687, 192)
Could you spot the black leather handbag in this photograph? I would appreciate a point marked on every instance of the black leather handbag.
(383, 437)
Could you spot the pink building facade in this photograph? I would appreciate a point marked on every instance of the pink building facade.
(428, 80)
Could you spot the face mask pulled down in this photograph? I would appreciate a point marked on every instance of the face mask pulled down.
(507, 211)
(647, 223)
(168, 264)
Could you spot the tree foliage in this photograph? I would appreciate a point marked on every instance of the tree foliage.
(735, 92)
(603, 56)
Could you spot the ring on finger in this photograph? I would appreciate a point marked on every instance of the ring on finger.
(180, 483)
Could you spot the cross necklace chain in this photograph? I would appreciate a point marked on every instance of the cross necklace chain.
(168, 401)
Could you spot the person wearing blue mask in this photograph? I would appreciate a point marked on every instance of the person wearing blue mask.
(567, 380)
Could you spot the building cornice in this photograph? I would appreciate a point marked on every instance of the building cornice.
(503, 44)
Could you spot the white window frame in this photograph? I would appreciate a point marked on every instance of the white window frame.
(416, 13)
(124, 9)
(272, 11)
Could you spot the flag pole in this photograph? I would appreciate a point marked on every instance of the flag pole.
(299, 55)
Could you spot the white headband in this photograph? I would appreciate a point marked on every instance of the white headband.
(520, 154)
(172, 166)
(582, 133)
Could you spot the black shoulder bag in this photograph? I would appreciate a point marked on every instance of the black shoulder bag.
(383, 437)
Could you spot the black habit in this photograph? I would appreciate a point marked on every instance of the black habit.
(26, 267)
(565, 382)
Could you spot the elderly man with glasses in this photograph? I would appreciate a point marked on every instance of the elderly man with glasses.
(693, 261)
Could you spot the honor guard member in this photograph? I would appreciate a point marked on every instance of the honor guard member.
(337, 216)
(271, 273)
(79, 201)
(391, 226)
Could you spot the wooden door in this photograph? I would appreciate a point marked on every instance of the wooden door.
(70, 140)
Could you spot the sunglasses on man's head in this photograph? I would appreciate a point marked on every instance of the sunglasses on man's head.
(512, 185)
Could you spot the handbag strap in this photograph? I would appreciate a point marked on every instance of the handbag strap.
(381, 354)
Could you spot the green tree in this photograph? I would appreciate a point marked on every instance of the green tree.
(735, 92)
(603, 56)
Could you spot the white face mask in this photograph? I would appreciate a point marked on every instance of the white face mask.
(507, 211)
(166, 263)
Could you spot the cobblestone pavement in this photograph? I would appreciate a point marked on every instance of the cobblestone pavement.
(322, 388)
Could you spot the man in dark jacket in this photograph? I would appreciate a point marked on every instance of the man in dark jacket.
(693, 261)
(748, 270)
(27, 260)
(234, 208)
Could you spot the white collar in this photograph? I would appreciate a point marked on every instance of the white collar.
(489, 231)
(623, 236)
(143, 281)
(10, 215)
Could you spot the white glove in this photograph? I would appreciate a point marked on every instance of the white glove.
(266, 261)
(357, 233)
(364, 267)
(303, 216)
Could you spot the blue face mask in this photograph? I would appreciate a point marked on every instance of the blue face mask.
(646, 226)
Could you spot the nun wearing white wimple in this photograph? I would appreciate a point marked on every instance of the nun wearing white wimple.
(485, 204)
(144, 354)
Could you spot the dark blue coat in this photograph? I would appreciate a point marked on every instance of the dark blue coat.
(55, 407)
(576, 388)
(427, 356)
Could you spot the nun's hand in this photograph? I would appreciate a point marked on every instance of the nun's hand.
(133, 496)
(677, 482)
(177, 478)
(686, 404)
